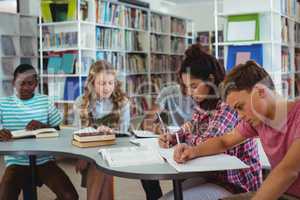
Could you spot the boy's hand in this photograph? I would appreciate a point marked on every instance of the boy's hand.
(165, 140)
(34, 125)
(183, 153)
(105, 129)
(5, 135)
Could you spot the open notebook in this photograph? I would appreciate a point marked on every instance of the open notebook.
(130, 156)
(39, 133)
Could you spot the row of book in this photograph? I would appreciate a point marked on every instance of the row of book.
(107, 38)
(162, 63)
(158, 43)
(136, 63)
(60, 40)
(64, 88)
(178, 45)
(137, 85)
(159, 23)
(289, 7)
(138, 106)
(135, 41)
(178, 26)
(160, 81)
(285, 60)
(285, 30)
(136, 18)
(114, 58)
(109, 13)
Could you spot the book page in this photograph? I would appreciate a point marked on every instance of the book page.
(144, 134)
(50, 132)
(217, 162)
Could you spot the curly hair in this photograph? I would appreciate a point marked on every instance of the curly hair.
(89, 98)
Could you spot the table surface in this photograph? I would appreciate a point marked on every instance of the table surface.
(61, 146)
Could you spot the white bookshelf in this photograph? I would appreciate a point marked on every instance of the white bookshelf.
(277, 36)
(18, 44)
(134, 58)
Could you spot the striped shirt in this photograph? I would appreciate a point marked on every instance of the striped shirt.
(16, 114)
(207, 124)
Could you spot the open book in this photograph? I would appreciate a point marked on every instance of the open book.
(39, 133)
(130, 156)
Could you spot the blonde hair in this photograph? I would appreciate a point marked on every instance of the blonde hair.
(90, 97)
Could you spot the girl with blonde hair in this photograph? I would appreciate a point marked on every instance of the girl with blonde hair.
(105, 107)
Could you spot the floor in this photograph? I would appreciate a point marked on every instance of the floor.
(125, 189)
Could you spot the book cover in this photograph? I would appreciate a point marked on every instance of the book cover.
(93, 143)
(90, 134)
(72, 90)
(243, 28)
(67, 63)
(8, 47)
(241, 53)
(54, 64)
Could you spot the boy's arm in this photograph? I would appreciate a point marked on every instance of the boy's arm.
(282, 176)
(211, 146)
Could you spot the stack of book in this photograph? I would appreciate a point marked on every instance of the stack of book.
(90, 137)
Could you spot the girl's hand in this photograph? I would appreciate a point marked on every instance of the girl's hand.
(183, 153)
(34, 125)
(105, 129)
(81, 165)
(5, 135)
(165, 140)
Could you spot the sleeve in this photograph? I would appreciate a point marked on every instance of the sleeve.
(223, 121)
(185, 133)
(76, 108)
(54, 116)
(297, 127)
(246, 130)
(125, 117)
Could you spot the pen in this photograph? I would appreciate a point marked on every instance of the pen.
(135, 143)
(177, 138)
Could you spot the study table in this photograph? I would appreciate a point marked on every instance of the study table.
(61, 146)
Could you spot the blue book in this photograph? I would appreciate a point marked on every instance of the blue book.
(68, 62)
(54, 65)
(100, 55)
(72, 90)
(240, 54)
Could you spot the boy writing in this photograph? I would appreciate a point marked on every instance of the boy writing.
(249, 89)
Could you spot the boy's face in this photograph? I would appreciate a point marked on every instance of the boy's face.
(104, 84)
(252, 106)
(25, 85)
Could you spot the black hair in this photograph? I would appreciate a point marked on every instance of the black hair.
(204, 66)
(22, 68)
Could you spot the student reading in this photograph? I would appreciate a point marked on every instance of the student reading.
(249, 89)
(201, 74)
(30, 110)
(106, 107)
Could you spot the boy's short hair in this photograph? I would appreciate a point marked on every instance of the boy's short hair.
(245, 77)
(22, 68)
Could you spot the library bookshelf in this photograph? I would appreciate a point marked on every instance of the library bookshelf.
(145, 46)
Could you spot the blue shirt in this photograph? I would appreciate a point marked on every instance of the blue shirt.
(15, 114)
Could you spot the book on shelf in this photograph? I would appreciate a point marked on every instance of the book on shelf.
(297, 59)
(135, 41)
(241, 53)
(54, 65)
(39, 133)
(136, 18)
(114, 58)
(55, 11)
(287, 86)
(56, 88)
(137, 84)
(107, 38)
(284, 30)
(109, 13)
(159, 23)
(8, 45)
(158, 43)
(130, 156)
(285, 59)
(68, 63)
(8, 66)
(53, 39)
(178, 45)
(27, 46)
(178, 26)
(136, 63)
(161, 63)
(72, 88)
(243, 28)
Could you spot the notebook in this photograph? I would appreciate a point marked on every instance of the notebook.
(131, 156)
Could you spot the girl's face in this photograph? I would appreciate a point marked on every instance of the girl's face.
(104, 84)
(196, 88)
